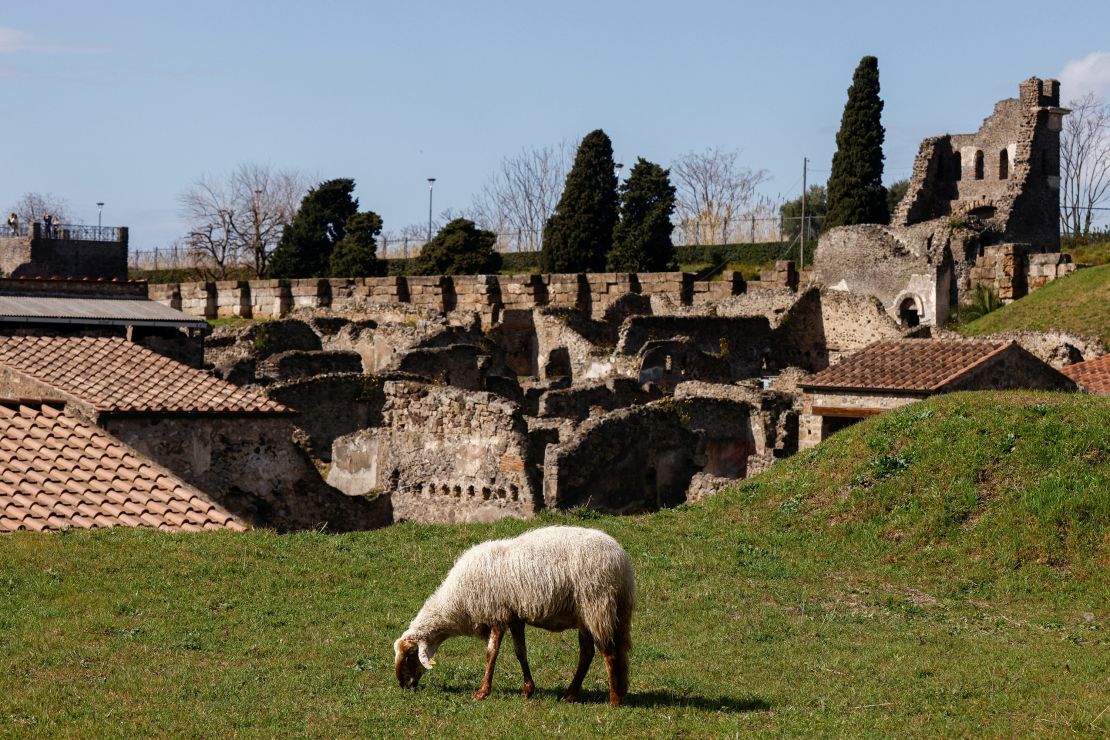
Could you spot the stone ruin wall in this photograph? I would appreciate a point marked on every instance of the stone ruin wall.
(489, 296)
(443, 454)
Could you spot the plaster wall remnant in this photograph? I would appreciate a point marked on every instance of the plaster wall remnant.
(442, 454)
(251, 467)
(981, 208)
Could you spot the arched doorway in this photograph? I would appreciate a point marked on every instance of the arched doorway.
(909, 311)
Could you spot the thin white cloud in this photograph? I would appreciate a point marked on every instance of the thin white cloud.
(14, 41)
(1091, 74)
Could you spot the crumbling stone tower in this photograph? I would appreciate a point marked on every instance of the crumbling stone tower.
(1007, 174)
(981, 208)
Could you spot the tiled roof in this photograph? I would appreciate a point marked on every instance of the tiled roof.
(93, 311)
(58, 471)
(917, 365)
(114, 375)
(1092, 376)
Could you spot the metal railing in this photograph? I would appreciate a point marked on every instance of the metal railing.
(71, 232)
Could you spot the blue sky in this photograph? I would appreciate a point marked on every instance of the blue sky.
(130, 102)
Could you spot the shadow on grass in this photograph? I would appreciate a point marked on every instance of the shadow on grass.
(649, 699)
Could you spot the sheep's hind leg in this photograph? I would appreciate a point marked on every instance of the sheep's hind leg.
(492, 648)
(521, 650)
(616, 663)
(585, 657)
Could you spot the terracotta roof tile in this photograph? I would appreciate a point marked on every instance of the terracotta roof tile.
(1092, 376)
(114, 375)
(920, 365)
(104, 485)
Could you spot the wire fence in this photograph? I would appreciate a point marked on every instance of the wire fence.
(751, 230)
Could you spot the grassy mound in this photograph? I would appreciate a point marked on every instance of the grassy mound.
(938, 570)
(1076, 303)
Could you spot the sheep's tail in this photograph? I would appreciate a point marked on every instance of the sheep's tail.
(609, 618)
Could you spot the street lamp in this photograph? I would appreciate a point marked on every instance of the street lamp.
(431, 183)
(99, 214)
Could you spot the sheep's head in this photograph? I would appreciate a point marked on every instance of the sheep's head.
(411, 659)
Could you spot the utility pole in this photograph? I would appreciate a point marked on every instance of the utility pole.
(802, 249)
(431, 183)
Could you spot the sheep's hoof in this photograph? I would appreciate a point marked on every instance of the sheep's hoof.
(614, 700)
(481, 694)
(529, 689)
(570, 696)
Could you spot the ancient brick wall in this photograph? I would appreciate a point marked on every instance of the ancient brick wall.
(596, 294)
(251, 466)
(1007, 173)
(443, 455)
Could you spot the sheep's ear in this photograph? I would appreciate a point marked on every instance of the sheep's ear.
(422, 653)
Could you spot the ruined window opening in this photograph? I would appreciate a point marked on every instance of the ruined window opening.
(978, 165)
(959, 166)
(1003, 165)
(908, 314)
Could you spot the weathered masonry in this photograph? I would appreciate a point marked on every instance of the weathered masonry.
(981, 208)
(92, 252)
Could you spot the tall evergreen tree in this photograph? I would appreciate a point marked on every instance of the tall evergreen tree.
(356, 254)
(856, 192)
(307, 243)
(460, 248)
(642, 239)
(579, 235)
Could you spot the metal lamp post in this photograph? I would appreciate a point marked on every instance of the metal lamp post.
(431, 183)
(99, 216)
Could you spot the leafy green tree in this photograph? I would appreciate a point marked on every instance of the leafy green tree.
(642, 238)
(307, 243)
(579, 235)
(894, 195)
(817, 205)
(356, 254)
(856, 192)
(460, 248)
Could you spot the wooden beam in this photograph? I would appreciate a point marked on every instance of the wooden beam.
(846, 411)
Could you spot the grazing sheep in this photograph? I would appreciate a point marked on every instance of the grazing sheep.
(552, 577)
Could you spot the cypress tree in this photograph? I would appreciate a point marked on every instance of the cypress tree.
(460, 248)
(356, 254)
(306, 244)
(642, 239)
(856, 192)
(579, 235)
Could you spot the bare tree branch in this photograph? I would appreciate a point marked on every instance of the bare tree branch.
(713, 193)
(33, 206)
(521, 195)
(238, 220)
(1084, 164)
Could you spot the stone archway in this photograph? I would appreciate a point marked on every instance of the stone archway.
(910, 310)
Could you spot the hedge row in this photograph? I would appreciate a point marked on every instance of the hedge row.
(525, 262)
(754, 254)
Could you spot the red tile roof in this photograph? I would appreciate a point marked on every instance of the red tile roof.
(111, 374)
(916, 365)
(58, 471)
(1092, 376)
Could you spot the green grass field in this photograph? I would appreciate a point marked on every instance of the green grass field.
(939, 570)
(1079, 302)
(1090, 254)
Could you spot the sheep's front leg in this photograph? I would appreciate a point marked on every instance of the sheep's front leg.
(492, 648)
(517, 631)
(585, 657)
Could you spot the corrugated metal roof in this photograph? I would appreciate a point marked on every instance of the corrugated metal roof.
(92, 311)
